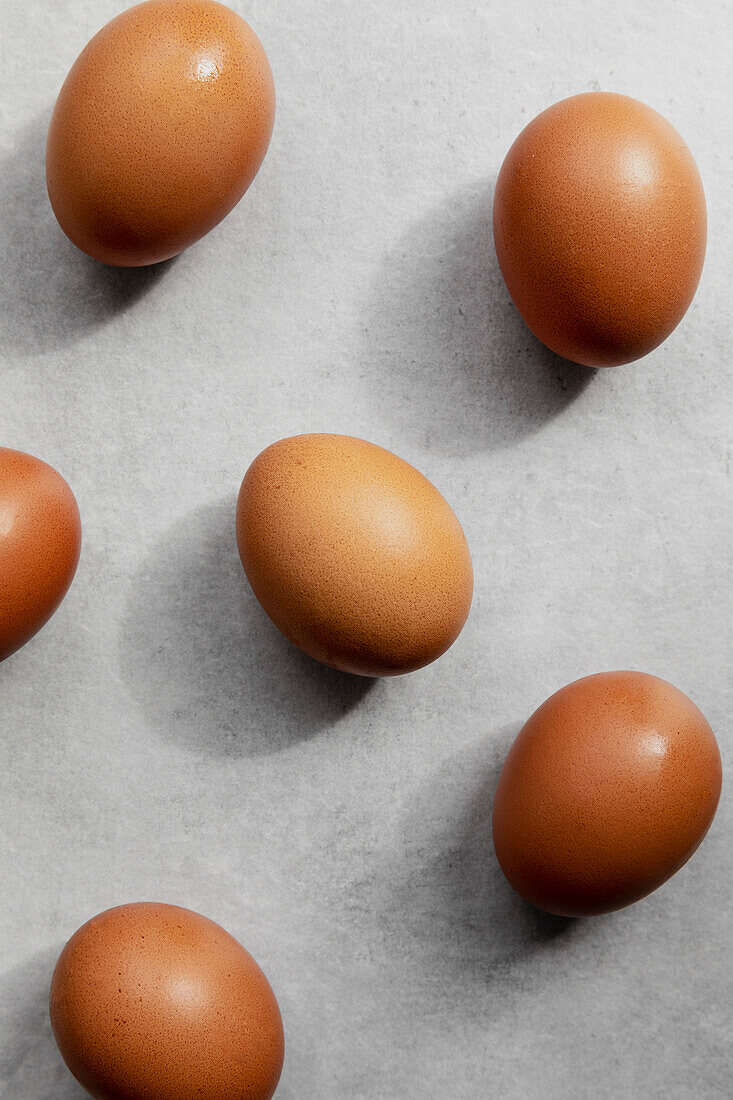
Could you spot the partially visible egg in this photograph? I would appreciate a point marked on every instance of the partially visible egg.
(150, 1000)
(159, 129)
(40, 542)
(607, 791)
(600, 228)
(353, 554)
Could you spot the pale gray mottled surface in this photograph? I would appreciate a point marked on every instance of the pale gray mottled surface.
(160, 740)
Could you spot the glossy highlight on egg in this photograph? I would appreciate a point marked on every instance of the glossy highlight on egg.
(353, 554)
(152, 1000)
(607, 791)
(40, 543)
(600, 228)
(158, 130)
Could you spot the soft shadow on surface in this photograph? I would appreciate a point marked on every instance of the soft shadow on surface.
(53, 292)
(204, 661)
(446, 354)
(455, 900)
(31, 1067)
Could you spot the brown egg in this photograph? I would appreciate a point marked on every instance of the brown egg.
(600, 228)
(40, 541)
(607, 791)
(158, 131)
(150, 1000)
(353, 554)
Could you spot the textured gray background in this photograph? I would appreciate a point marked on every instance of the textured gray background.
(160, 740)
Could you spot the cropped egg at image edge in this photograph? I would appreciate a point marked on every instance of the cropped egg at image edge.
(366, 512)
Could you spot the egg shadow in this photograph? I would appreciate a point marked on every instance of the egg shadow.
(468, 922)
(54, 293)
(30, 1064)
(446, 354)
(204, 661)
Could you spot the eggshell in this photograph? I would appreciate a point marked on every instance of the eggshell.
(151, 1000)
(607, 791)
(353, 554)
(159, 129)
(40, 542)
(600, 228)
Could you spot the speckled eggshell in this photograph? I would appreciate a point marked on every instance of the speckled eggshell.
(150, 1000)
(159, 129)
(607, 791)
(600, 228)
(40, 541)
(353, 554)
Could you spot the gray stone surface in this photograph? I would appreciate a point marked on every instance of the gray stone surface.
(161, 740)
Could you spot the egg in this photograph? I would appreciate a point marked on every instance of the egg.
(600, 228)
(607, 791)
(158, 131)
(40, 542)
(151, 1000)
(353, 554)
